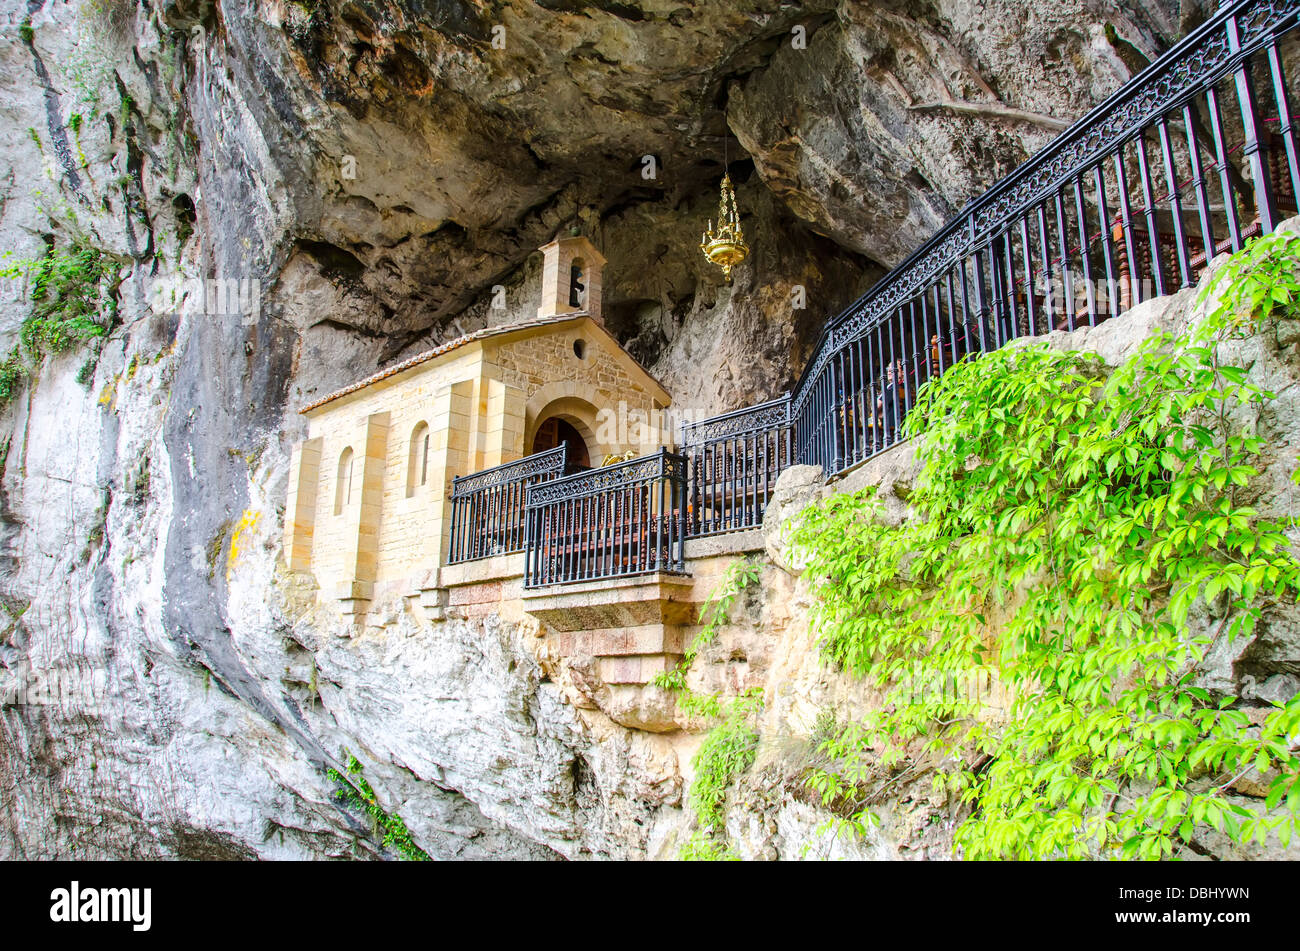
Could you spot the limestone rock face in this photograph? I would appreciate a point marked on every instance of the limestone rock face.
(913, 108)
(288, 196)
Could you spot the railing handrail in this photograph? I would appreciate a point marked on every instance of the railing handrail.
(690, 430)
(626, 519)
(657, 464)
(539, 462)
(850, 401)
(964, 233)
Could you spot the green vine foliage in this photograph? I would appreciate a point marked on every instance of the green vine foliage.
(73, 295)
(356, 791)
(1079, 541)
(12, 373)
(73, 300)
(728, 751)
(715, 614)
(729, 747)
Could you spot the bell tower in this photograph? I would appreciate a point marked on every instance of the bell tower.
(571, 268)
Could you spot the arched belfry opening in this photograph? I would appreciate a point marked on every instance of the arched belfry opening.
(577, 284)
(425, 465)
(571, 269)
(556, 430)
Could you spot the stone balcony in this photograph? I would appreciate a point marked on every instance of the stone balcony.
(613, 634)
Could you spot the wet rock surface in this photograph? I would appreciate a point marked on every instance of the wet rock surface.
(367, 174)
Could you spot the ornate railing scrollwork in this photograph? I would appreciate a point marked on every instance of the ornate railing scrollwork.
(487, 507)
(624, 519)
(1117, 200)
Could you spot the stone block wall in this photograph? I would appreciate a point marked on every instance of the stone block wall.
(603, 377)
(383, 535)
(481, 405)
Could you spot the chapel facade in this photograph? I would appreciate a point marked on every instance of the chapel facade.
(368, 510)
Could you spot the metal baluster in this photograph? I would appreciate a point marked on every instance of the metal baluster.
(508, 525)
(707, 483)
(679, 489)
(737, 519)
(1225, 170)
(1126, 218)
(909, 395)
(697, 497)
(1287, 126)
(1175, 203)
(870, 380)
(1067, 270)
(662, 513)
(789, 438)
(574, 535)
(997, 281)
(582, 564)
(860, 417)
(495, 527)
(1198, 182)
(1149, 198)
(952, 318)
(1085, 255)
(620, 523)
(1255, 148)
(980, 309)
(1027, 258)
(528, 549)
(562, 540)
(552, 544)
(893, 368)
(1107, 248)
(476, 515)
(965, 306)
(455, 510)
(608, 532)
(925, 338)
(1045, 249)
(837, 410)
(1013, 305)
(742, 464)
(643, 490)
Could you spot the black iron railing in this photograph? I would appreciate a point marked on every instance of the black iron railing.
(733, 461)
(624, 519)
(487, 508)
(1190, 158)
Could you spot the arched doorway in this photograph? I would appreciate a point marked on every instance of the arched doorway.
(554, 431)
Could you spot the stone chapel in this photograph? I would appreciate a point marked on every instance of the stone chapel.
(368, 508)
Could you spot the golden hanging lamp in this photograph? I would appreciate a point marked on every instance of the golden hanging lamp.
(725, 247)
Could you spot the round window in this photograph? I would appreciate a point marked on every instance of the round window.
(580, 349)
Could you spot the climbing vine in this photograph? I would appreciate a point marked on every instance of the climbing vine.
(356, 791)
(715, 613)
(729, 747)
(73, 300)
(1079, 542)
(728, 750)
(12, 372)
(73, 294)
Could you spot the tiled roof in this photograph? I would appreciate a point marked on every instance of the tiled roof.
(439, 350)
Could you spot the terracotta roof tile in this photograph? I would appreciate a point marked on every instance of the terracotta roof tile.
(439, 350)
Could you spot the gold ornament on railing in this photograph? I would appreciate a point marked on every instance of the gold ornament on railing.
(726, 247)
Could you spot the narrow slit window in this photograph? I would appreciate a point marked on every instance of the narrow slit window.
(343, 483)
(417, 469)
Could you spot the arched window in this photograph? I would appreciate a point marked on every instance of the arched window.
(343, 484)
(417, 468)
(577, 284)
